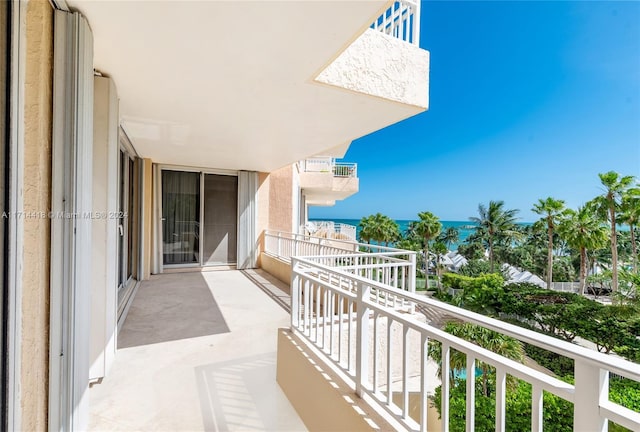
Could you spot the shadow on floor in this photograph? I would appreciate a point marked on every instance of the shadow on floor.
(277, 290)
(239, 395)
(171, 307)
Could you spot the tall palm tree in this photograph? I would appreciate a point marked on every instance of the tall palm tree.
(440, 250)
(449, 236)
(551, 211)
(428, 227)
(608, 204)
(583, 231)
(494, 223)
(630, 215)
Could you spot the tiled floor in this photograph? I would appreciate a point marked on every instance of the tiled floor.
(197, 352)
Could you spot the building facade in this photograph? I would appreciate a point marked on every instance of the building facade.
(143, 138)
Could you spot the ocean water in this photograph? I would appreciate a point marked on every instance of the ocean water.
(465, 228)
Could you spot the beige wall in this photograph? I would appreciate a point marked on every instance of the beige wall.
(323, 402)
(280, 199)
(434, 423)
(281, 270)
(276, 202)
(37, 198)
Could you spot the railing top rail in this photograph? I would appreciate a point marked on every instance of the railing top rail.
(389, 256)
(304, 237)
(614, 364)
(549, 383)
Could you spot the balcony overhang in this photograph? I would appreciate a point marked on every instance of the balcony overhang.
(323, 188)
(239, 84)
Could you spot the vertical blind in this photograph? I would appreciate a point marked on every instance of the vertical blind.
(247, 217)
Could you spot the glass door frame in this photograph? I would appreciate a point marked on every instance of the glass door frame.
(128, 227)
(159, 219)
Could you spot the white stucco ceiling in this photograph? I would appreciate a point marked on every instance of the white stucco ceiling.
(230, 84)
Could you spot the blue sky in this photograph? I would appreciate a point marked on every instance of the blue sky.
(527, 100)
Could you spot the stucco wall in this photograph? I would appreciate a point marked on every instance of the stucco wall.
(37, 198)
(281, 199)
(381, 65)
(280, 269)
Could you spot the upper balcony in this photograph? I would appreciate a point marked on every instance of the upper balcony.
(323, 180)
(401, 20)
(257, 85)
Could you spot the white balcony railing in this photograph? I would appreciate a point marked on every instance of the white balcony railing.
(329, 165)
(401, 20)
(393, 267)
(329, 229)
(352, 319)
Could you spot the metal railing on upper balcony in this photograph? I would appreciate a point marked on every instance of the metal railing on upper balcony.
(329, 165)
(352, 319)
(401, 20)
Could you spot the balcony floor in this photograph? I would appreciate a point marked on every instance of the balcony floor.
(196, 352)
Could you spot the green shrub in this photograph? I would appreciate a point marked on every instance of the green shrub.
(558, 413)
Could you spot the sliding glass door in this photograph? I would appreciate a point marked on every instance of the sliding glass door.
(180, 217)
(128, 223)
(199, 218)
(220, 219)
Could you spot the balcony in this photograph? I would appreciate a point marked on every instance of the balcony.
(354, 314)
(324, 181)
(206, 351)
(401, 20)
(198, 352)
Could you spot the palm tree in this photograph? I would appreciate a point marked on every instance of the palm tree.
(391, 231)
(551, 210)
(378, 228)
(630, 215)
(428, 227)
(583, 231)
(439, 249)
(494, 223)
(449, 236)
(366, 229)
(608, 203)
